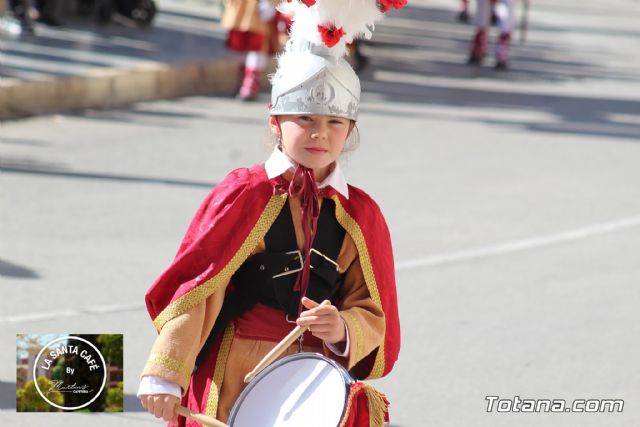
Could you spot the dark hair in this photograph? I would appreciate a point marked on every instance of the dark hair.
(353, 140)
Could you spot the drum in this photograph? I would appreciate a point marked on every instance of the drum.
(304, 389)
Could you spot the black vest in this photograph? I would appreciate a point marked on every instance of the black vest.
(269, 277)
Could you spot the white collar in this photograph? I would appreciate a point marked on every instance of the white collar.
(278, 163)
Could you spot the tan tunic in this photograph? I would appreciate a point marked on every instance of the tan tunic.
(174, 352)
(242, 15)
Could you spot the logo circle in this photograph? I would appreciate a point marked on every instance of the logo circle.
(322, 93)
(35, 378)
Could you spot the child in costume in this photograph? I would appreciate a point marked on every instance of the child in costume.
(505, 12)
(254, 28)
(272, 241)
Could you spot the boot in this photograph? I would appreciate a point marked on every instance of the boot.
(250, 84)
(502, 51)
(478, 47)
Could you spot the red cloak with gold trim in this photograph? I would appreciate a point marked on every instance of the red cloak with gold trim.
(229, 224)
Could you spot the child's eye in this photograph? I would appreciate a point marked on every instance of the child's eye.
(338, 122)
(305, 118)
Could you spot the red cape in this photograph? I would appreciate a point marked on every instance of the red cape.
(234, 218)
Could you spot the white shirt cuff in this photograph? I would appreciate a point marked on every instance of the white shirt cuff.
(157, 385)
(335, 350)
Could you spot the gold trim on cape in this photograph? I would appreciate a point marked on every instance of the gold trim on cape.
(201, 292)
(169, 363)
(375, 405)
(358, 332)
(347, 411)
(354, 230)
(218, 373)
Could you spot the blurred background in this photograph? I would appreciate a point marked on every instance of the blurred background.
(501, 140)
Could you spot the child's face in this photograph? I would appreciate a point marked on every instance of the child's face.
(313, 141)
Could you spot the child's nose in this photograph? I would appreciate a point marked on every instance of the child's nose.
(320, 132)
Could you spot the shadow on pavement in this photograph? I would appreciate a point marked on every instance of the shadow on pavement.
(9, 269)
(28, 167)
(7, 395)
(140, 115)
(81, 46)
(23, 141)
(8, 399)
(132, 404)
(421, 58)
(577, 10)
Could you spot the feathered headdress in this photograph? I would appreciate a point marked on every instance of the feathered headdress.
(312, 75)
(336, 23)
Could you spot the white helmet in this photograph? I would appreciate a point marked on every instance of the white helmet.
(312, 81)
(312, 75)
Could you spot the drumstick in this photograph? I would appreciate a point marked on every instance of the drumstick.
(279, 349)
(201, 418)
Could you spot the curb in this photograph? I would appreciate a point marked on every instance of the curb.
(116, 87)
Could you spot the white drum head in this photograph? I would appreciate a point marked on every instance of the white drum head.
(300, 390)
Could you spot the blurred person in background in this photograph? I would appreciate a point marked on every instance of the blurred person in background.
(464, 14)
(505, 12)
(9, 26)
(20, 10)
(355, 57)
(255, 28)
(43, 12)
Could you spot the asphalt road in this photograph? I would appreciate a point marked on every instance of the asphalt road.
(513, 201)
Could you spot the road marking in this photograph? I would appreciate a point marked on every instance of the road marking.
(518, 245)
(430, 261)
(57, 314)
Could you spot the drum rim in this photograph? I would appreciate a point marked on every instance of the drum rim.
(304, 355)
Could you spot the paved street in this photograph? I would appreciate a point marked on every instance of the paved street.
(184, 30)
(513, 201)
(85, 65)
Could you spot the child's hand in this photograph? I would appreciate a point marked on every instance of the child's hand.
(161, 405)
(324, 321)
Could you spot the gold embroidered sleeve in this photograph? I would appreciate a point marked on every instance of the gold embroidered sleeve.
(365, 321)
(174, 351)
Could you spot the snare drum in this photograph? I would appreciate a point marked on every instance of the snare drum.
(304, 389)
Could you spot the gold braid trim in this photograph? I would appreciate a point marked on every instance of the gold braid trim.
(347, 410)
(201, 292)
(376, 405)
(170, 363)
(358, 331)
(353, 228)
(218, 373)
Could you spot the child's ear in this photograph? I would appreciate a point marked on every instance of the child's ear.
(273, 124)
(352, 124)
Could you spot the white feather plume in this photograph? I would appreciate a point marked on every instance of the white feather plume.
(355, 17)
